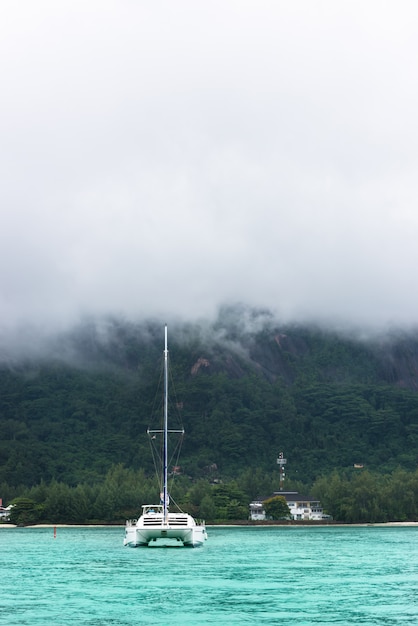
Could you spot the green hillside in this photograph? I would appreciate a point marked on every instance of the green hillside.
(246, 389)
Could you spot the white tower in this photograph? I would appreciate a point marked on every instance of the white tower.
(281, 462)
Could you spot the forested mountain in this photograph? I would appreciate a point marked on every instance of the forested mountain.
(246, 388)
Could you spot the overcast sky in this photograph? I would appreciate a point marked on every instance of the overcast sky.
(165, 157)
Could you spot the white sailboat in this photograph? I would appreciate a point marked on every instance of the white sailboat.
(156, 522)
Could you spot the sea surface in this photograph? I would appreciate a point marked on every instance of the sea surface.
(252, 575)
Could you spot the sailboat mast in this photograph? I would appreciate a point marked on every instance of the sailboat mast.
(165, 440)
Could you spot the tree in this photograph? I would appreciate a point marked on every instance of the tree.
(230, 502)
(276, 508)
(207, 509)
(25, 512)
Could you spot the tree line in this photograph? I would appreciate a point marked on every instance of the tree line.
(363, 496)
(357, 496)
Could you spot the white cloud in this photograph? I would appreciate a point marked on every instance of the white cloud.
(168, 157)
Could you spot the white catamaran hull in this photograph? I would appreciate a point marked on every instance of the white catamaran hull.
(151, 528)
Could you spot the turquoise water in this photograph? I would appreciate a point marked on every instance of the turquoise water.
(267, 575)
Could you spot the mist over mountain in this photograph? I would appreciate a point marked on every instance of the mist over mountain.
(180, 156)
(238, 329)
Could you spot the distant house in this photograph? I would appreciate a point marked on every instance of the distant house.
(257, 512)
(4, 511)
(301, 507)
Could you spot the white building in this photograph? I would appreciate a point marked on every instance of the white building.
(4, 511)
(301, 507)
(257, 512)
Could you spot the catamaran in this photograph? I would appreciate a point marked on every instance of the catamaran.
(157, 523)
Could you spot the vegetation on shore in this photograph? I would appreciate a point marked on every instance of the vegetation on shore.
(350, 497)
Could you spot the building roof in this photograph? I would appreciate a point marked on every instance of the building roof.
(289, 496)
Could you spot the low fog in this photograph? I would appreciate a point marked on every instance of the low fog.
(165, 159)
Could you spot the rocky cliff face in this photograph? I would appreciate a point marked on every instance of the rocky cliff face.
(398, 362)
(289, 354)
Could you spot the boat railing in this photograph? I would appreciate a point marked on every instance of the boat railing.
(131, 522)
